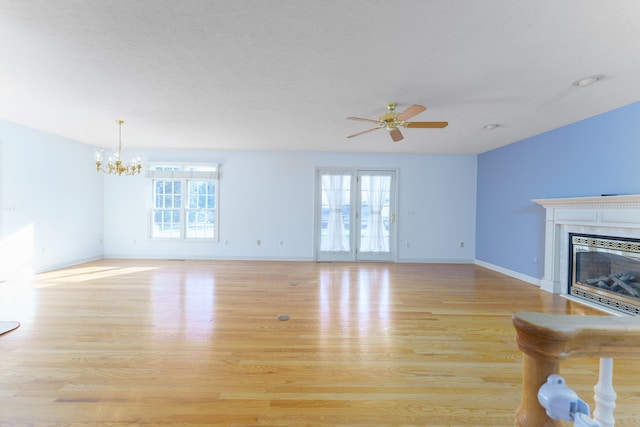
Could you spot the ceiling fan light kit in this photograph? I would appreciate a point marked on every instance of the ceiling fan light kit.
(392, 121)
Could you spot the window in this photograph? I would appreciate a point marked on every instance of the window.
(184, 201)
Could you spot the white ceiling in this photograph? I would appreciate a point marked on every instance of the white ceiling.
(284, 75)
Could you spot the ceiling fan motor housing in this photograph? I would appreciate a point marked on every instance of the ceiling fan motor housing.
(388, 120)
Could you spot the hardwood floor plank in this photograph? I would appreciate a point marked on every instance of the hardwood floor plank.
(198, 343)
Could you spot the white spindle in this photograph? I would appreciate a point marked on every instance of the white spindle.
(605, 396)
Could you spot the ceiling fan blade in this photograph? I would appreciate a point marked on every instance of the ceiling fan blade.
(426, 124)
(364, 131)
(410, 112)
(363, 120)
(396, 135)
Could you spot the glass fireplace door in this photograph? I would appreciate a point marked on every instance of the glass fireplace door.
(606, 270)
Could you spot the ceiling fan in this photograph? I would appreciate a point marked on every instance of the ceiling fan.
(393, 121)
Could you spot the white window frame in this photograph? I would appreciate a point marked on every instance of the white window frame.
(185, 173)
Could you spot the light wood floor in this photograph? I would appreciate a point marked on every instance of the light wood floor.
(199, 343)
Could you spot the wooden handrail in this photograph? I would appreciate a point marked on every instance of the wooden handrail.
(548, 339)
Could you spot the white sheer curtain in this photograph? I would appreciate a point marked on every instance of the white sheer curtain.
(334, 187)
(377, 189)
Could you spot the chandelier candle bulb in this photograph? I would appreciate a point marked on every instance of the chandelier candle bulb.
(97, 155)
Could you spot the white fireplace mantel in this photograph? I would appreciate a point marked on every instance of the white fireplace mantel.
(617, 216)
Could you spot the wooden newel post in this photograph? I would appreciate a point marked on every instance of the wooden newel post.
(534, 373)
(548, 339)
(536, 368)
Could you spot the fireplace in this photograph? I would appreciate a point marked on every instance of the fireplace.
(605, 270)
(586, 218)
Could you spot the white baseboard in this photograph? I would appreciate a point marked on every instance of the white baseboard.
(510, 273)
(204, 258)
(57, 266)
(434, 261)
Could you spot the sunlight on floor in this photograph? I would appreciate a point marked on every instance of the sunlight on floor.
(83, 274)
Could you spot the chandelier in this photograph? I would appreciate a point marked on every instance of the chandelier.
(115, 165)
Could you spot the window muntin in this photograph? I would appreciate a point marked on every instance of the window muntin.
(201, 209)
(184, 202)
(166, 211)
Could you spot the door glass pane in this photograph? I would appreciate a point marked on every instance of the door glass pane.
(375, 192)
(336, 213)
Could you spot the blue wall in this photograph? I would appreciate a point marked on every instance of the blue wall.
(598, 155)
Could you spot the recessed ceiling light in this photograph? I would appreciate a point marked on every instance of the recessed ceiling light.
(491, 126)
(588, 81)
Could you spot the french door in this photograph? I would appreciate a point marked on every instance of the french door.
(355, 215)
